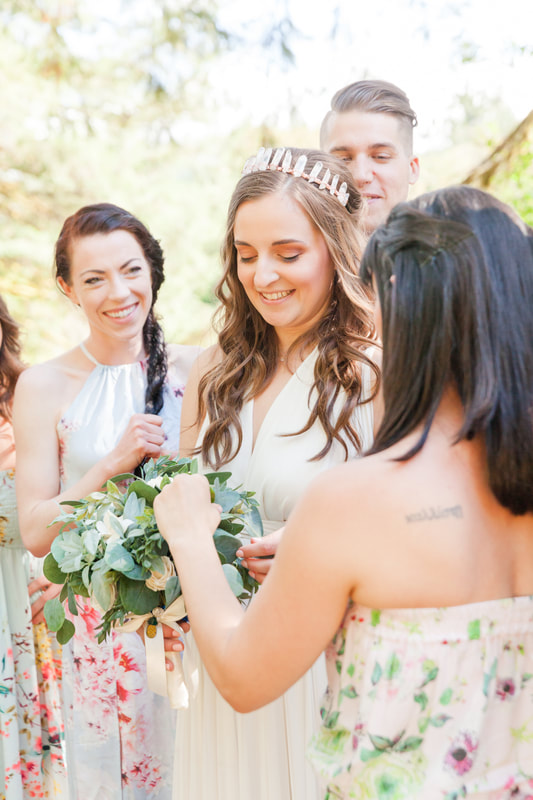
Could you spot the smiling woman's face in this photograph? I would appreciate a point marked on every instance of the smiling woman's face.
(283, 263)
(110, 280)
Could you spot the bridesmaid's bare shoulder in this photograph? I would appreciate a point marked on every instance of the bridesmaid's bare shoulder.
(181, 358)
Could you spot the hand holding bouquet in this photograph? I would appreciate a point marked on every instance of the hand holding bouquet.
(109, 547)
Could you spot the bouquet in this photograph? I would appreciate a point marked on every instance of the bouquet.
(109, 547)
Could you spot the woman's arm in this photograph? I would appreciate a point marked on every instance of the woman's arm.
(254, 656)
(38, 399)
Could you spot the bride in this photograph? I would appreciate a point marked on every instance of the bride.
(285, 394)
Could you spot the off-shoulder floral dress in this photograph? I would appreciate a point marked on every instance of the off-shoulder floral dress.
(430, 704)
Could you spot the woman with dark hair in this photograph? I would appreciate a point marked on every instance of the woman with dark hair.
(31, 725)
(422, 551)
(102, 408)
(284, 394)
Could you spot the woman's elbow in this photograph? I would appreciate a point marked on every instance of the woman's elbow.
(34, 544)
(36, 549)
(243, 698)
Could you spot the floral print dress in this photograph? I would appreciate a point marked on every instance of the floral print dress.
(119, 735)
(31, 727)
(429, 703)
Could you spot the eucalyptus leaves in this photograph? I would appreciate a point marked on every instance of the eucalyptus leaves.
(109, 547)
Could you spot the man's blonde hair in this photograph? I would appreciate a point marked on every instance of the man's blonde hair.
(374, 97)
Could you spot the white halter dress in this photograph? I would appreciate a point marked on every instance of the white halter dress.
(116, 729)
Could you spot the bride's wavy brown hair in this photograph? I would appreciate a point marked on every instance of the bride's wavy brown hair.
(249, 344)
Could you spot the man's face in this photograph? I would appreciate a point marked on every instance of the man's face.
(377, 153)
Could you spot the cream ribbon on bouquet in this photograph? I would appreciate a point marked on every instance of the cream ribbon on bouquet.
(177, 685)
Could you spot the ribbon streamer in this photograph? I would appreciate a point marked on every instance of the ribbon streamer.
(178, 684)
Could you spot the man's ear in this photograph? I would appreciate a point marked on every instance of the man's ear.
(414, 170)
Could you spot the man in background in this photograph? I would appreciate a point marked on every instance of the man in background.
(370, 127)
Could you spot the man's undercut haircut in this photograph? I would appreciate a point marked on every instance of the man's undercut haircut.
(375, 97)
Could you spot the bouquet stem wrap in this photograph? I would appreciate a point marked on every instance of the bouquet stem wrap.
(177, 685)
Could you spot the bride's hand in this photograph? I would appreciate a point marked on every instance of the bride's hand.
(258, 555)
(172, 641)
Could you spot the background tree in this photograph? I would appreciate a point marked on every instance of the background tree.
(508, 170)
(155, 104)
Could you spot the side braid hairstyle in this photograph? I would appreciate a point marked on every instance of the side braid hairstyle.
(105, 218)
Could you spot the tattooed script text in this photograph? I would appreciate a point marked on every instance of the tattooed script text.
(435, 512)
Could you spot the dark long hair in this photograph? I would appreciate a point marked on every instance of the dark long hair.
(249, 344)
(10, 363)
(459, 312)
(104, 218)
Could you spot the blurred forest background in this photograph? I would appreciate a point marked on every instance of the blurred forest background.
(155, 104)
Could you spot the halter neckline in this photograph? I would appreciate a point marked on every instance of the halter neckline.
(108, 366)
(88, 355)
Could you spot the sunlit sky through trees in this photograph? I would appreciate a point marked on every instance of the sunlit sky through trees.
(285, 58)
(155, 105)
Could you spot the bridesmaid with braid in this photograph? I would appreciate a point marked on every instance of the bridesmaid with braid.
(94, 412)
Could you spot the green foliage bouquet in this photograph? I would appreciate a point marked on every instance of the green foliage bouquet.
(109, 547)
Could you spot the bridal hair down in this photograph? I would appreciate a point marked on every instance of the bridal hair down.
(249, 344)
(458, 312)
(105, 218)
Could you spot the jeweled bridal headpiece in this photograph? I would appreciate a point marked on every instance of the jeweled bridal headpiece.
(264, 160)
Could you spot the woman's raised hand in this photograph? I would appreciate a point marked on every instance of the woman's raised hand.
(143, 438)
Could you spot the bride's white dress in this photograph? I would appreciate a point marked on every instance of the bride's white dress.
(221, 754)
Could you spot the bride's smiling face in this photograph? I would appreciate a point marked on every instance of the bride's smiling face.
(283, 263)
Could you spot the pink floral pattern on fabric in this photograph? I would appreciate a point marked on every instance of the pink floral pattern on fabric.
(31, 723)
(108, 681)
(119, 735)
(429, 703)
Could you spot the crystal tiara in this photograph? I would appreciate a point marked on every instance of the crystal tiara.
(264, 160)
